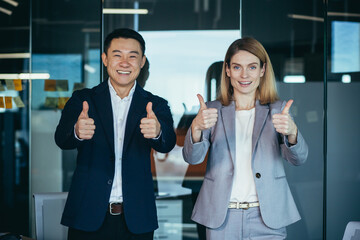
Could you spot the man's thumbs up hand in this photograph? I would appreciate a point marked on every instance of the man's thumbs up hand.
(205, 119)
(150, 126)
(284, 124)
(85, 127)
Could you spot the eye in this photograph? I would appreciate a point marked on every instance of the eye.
(236, 67)
(252, 67)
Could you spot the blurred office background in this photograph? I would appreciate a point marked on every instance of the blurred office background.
(54, 48)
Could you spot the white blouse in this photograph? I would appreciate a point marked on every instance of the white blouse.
(243, 188)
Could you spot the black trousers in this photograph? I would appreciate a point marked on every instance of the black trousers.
(113, 228)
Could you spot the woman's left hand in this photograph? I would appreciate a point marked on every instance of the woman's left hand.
(284, 124)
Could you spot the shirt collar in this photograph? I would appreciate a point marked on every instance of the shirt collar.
(114, 94)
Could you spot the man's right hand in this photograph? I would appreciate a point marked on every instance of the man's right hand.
(85, 127)
(205, 119)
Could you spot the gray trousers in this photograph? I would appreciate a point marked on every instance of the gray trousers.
(242, 224)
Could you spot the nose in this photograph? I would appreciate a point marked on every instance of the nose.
(124, 62)
(243, 73)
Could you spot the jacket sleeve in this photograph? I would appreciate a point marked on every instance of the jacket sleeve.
(194, 153)
(64, 134)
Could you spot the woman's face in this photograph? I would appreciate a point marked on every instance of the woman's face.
(245, 73)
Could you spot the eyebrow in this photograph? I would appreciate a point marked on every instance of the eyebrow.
(247, 64)
(118, 51)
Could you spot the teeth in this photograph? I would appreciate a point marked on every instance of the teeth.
(245, 83)
(122, 72)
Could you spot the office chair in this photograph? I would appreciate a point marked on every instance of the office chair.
(48, 211)
(352, 231)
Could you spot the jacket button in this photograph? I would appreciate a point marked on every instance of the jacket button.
(258, 175)
(109, 182)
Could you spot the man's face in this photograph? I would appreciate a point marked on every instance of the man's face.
(124, 60)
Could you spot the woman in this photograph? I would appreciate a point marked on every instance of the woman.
(248, 133)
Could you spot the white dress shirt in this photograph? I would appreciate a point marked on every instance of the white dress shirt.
(120, 109)
(243, 188)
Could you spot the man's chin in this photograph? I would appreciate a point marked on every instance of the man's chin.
(123, 82)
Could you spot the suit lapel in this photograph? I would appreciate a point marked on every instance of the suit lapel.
(137, 109)
(261, 113)
(102, 102)
(228, 118)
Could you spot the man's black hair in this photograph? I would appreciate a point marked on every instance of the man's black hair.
(124, 33)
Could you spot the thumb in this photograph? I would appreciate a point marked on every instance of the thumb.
(84, 112)
(287, 107)
(149, 110)
(202, 102)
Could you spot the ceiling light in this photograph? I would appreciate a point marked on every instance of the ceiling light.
(346, 78)
(14, 55)
(90, 30)
(294, 79)
(25, 76)
(320, 19)
(340, 14)
(124, 11)
(304, 17)
(89, 68)
(8, 12)
(12, 2)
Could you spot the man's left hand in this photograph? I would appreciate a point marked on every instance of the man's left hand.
(150, 126)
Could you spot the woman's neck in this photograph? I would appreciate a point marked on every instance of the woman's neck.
(244, 102)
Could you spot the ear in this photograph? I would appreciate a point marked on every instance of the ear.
(143, 60)
(263, 70)
(104, 59)
(227, 69)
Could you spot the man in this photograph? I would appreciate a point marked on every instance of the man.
(114, 126)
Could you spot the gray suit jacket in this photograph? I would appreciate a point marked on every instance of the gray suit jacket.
(269, 148)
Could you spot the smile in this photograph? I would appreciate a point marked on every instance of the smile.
(123, 72)
(245, 83)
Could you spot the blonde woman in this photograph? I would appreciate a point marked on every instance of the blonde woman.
(248, 132)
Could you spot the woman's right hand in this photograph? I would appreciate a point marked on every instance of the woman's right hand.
(205, 119)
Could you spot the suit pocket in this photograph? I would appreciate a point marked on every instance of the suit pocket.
(280, 172)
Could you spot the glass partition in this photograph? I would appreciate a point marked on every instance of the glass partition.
(343, 117)
(14, 116)
(66, 46)
(292, 33)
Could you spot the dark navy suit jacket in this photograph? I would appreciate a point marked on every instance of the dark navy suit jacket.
(89, 194)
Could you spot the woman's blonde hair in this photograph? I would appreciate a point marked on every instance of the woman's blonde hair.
(266, 91)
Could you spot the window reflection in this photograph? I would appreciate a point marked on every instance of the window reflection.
(65, 70)
(179, 61)
(345, 46)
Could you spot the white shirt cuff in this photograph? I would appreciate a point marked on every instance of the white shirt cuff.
(76, 135)
(156, 138)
